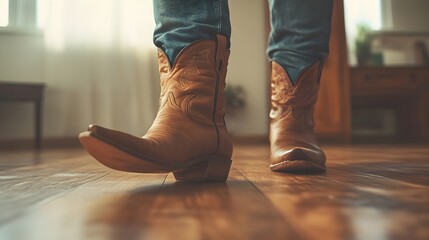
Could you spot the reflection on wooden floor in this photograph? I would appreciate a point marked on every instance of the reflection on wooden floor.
(368, 192)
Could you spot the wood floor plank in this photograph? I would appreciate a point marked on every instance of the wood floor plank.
(23, 158)
(367, 193)
(232, 210)
(341, 203)
(85, 213)
(24, 187)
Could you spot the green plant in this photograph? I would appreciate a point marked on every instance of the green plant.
(363, 44)
(235, 98)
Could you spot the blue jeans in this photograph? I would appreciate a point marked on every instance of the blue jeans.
(300, 29)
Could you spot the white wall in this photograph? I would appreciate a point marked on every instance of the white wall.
(248, 66)
(410, 15)
(22, 59)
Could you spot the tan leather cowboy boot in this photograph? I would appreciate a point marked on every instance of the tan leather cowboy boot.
(293, 145)
(188, 136)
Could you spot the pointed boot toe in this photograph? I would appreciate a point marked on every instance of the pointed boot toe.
(298, 160)
(119, 151)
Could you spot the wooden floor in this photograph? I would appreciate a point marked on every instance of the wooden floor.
(368, 192)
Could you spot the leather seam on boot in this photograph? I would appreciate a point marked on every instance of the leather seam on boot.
(172, 101)
(185, 106)
(214, 113)
(218, 65)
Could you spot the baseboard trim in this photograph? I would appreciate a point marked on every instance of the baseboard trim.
(73, 142)
(252, 139)
(47, 143)
(263, 139)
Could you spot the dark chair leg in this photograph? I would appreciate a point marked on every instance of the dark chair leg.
(38, 125)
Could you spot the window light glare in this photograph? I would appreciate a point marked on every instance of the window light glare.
(41, 13)
(367, 12)
(4, 13)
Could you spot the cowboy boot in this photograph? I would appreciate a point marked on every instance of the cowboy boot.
(188, 136)
(293, 145)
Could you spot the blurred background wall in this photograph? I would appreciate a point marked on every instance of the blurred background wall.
(102, 68)
(115, 85)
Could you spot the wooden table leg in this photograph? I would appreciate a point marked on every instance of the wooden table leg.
(38, 125)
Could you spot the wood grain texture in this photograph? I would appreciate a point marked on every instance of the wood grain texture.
(368, 192)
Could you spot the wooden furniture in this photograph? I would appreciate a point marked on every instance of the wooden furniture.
(404, 89)
(32, 92)
(332, 115)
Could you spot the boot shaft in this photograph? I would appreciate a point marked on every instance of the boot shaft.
(298, 99)
(196, 81)
(293, 144)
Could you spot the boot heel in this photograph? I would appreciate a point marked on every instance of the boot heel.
(214, 169)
